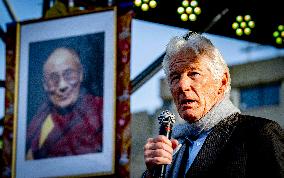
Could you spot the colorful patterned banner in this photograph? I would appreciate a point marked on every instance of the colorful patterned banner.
(9, 100)
(123, 142)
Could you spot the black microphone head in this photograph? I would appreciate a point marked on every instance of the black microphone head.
(166, 117)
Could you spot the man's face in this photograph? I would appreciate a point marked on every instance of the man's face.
(62, 78)
(193, 87)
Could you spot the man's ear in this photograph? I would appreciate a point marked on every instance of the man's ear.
(224, 82)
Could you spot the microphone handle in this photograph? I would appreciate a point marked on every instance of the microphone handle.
(166, 130)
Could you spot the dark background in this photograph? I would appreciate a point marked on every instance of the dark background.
(267, 15)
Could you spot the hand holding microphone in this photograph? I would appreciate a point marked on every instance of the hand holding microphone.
(158, 151)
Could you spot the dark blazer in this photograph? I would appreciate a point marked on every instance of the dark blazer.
(239, 146)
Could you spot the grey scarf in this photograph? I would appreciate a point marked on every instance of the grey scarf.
(184, 131)
(212, 118)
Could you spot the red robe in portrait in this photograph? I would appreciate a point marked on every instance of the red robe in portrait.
(76, 130)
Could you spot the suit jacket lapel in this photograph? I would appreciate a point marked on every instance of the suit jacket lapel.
(174, 168)
(212, 147)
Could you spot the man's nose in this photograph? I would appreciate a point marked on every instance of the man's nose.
(63, 85)
(185, 83)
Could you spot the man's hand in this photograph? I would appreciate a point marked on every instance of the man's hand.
(158, 151)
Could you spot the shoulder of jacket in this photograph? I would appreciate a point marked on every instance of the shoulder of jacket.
(256, 125)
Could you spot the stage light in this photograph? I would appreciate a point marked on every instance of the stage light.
(138, 3)
(184, 17)
(279, 41)
(180, 10)
(153, 4)
(243, 25)
(235, 25)
(276, 34)
(279, 35)
(239, 31)
(197, 10)
(185, 3)
(189, 10)
(251, 24)
(145, 4)
(247, 31)
(193, 3)
(247, 18)
(239, 18)
(145, 7)
(192, 17)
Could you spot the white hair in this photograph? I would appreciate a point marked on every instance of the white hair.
(197, 45)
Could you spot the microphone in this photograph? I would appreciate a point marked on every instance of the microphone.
(166, 121)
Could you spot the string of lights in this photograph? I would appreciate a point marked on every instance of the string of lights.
(245, 20)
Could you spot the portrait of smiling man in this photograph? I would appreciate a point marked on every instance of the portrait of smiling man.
(70, 122)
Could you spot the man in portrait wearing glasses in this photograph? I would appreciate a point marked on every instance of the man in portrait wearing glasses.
(70, 122)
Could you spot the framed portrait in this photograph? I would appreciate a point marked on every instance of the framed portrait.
(65, 96)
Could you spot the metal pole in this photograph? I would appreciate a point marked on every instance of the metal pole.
(2, 34)
(145, 75)
(2, 84)
(10, 10)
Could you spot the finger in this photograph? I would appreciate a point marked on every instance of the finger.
(162, 138)
(158, 145)
(175, 143)
(151, 162)
(157, 153)
(149, 140)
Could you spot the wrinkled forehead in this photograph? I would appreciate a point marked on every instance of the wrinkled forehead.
(184, 61)
(185, 57)
(60, 60)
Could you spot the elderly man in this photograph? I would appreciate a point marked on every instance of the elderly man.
(70, 123)
(216, 140)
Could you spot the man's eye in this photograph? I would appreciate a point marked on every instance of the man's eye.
(174, 79)
(54, 78)
(70, 74)
(194, 74)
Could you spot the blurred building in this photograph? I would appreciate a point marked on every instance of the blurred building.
(257, 89)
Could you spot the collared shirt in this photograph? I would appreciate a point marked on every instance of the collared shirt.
(194, 148)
